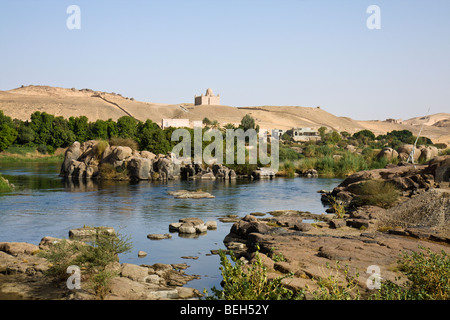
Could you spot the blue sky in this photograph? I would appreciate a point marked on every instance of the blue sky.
(253, 52)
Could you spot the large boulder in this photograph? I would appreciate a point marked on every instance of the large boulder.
(140, 168)
(72, 153)
(121, 153)
(148, 155)
(164, 166)
(388, 153)
(405, 150)
(428, 153)
(249, 224)
(263, 173)
(440, 168)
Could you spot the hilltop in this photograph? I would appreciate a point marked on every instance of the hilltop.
(21, 102)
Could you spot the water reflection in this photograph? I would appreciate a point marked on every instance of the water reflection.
(81, 185)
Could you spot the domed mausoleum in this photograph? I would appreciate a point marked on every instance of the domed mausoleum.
(207, 99)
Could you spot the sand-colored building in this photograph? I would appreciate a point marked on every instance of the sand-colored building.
(303, 134)
(207, 99)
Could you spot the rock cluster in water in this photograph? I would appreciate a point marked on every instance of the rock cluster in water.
(94, 160)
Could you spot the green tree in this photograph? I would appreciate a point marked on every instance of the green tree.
(364, 133)
(402, 135)
(99, 129)
(62, 135)
(229, 126)
(4, 119)
(25, 135)
(364, 136)
(42, 125)
(80, 127)
(333, 137)
(322, 132)
(8, 133)
(247, 122)
(7, 136)
(112, 128)
(152, 138)
(127, 127)
(206, 121)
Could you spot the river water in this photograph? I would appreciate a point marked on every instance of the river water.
(43, 204)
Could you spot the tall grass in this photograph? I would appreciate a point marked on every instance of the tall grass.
(332, 162)
(124, 142)
(287, 169)
(49, 159)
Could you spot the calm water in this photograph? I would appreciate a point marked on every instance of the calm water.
(44, 204)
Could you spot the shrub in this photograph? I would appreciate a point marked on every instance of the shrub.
(42, 148)
(50, 150)
(428, 275)
(250, 282)
(338, 207)
(92, 258)
(375, 193)
(61, 255)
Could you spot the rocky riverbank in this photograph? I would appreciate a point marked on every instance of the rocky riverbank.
(23, 276)
(363, 237)
(288, 245)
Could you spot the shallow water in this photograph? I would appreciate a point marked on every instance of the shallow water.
(44, 204)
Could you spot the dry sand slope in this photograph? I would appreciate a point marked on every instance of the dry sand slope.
(20, 103)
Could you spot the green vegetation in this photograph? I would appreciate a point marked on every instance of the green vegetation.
(93, 258)
(45, 133)
(337, 206)
(335, 155)
(341, 154)
(376, 193)
(250, 282)
(428, 278)
(334, 287)
(4, 185)
(247, 122)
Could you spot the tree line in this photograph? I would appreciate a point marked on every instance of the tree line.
(48, 132)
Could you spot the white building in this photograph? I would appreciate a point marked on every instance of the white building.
(176, 123)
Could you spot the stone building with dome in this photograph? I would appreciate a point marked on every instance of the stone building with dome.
(207, 99)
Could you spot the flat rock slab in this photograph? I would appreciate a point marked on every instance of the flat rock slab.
(185, 194)
(89, 232)
(157, 236)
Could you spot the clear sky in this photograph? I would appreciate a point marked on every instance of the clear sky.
(252, 52)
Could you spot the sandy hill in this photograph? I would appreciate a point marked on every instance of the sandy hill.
(437, 119)
(20, 103)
